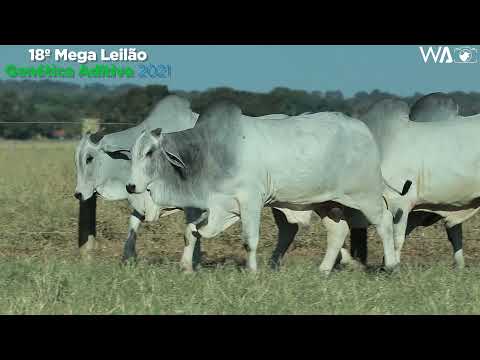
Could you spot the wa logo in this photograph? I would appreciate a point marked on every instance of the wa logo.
(443, 55)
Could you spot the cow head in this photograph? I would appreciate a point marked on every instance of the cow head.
(85, 162)
(153, 154)
(99, 171)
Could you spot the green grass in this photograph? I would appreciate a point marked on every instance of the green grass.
(39, 273)
(57, 286)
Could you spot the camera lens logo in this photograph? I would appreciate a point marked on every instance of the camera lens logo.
(465, 55)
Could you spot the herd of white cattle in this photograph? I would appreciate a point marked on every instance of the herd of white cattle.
(395, 168)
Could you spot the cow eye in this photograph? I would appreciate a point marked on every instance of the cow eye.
(149, 153)
(89, 159)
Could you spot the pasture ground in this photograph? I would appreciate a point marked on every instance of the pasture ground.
(40, 272)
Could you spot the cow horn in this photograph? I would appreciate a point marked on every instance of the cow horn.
(156, 132)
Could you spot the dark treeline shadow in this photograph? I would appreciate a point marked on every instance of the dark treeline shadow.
(41, 101)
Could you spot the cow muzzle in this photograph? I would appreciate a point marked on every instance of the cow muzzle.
(130, 188)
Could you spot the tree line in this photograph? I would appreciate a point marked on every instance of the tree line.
(52, 101)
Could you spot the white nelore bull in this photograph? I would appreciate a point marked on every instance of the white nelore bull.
(233, 165)
(430, 108)
(441, 158)
(434, 107)
(103, 168)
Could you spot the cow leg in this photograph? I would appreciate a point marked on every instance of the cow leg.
(416, 219)
(129, 248)
(286, 234)
(87, 231)
(454, 234)
(399, 235)
(192, 252)
(419, 218)
(250, 214)
(337, 231)
(217, 219)
(413, 221)
(192, 246)
(358, 244)
(197, 253)
(400, 230)
(385, 230)
(411, 225)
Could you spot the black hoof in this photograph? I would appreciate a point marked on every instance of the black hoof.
(274, 265)
(390, 270)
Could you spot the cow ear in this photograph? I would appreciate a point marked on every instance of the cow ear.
(170, 150)
(175, 159)
(120, 154)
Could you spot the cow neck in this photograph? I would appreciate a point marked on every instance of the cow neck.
(385, 130)
(169, 188)
(168, 194)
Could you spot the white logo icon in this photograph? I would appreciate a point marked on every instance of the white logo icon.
(465, 55)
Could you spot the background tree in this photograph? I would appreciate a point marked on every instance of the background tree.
(52, 101)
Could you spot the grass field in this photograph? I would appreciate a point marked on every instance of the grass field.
(40, 272)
